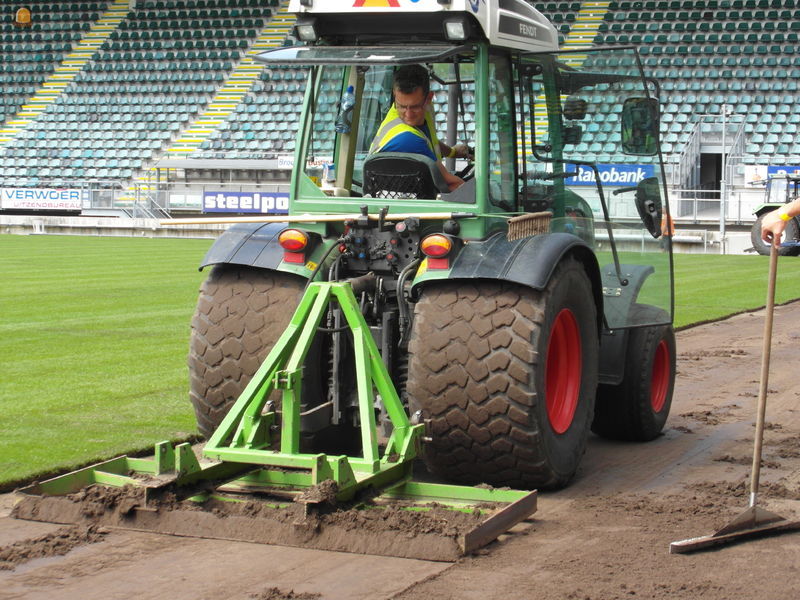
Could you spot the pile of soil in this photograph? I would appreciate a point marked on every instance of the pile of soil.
(277, 594)
(57, 543)
(428, 531)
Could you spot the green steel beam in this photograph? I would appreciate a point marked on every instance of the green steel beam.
(438, 492)
(76, 480)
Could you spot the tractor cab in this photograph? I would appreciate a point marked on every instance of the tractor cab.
(573, 135)
(782, 189)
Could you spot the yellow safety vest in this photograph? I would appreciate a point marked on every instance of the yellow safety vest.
(393, 126)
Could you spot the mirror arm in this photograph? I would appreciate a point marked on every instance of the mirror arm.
(622, 280)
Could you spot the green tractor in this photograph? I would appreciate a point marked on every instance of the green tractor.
(515, 313)
(779, 190)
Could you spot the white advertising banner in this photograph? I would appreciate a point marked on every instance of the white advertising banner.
(755, 175)
(41, 199)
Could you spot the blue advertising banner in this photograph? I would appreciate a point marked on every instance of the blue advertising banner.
(774, 170)
(610, 174)
(268, 203)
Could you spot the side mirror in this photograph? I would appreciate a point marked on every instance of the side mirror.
(574, 108)
(648, 205)
(640, 126)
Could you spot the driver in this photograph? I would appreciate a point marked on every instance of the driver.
(409, 124)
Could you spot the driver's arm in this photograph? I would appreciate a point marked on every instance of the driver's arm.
(451, 180)
(461, 150)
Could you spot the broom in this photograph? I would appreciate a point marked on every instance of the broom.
(528, 224)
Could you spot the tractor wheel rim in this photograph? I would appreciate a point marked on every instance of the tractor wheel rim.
(660, 377)
(563, 371)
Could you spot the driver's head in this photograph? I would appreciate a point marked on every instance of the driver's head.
(412, 93)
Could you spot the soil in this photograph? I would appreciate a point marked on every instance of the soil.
(57, 543)
(277, 594)
(604, 537)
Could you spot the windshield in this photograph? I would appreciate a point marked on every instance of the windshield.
(581, 167)
(781, 190)
(357, 55)
(342, 136)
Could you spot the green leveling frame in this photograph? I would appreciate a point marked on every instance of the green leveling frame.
(238, 457)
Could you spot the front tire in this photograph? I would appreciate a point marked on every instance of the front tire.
(506, 378)
(637, 408)
(790, 234)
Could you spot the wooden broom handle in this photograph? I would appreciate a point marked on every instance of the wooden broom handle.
(762, 392)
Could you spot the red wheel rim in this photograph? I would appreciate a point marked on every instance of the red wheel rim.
(660, 379)
(563, 371)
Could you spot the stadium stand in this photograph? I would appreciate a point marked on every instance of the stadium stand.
(706, 54)
(264, 122)
(31, 55)
(148, 80)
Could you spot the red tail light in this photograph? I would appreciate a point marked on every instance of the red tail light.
(294, 243)
(436, 245)
(293, 240)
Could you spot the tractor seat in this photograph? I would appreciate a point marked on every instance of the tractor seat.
(402, 175)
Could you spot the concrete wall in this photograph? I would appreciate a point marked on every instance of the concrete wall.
(107, 226)
(686, 241)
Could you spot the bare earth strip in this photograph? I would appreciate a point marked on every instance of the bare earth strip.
(604, 537)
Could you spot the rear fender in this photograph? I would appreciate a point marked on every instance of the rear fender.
(529, 261)
(765, 208)
(251, 244)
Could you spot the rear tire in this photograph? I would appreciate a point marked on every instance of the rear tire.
(505, 377)
(240, 314)
(637, 408)
(791, 233)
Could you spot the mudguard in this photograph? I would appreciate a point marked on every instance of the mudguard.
(529, 261)
(613, 350)
(765, 208)
(251, 244)
(620, 299)
(614, 342)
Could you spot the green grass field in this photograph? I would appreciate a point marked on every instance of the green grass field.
(709, 287)
(93, 340)
(95, 332)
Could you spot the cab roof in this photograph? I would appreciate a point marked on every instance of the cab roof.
(512, 24)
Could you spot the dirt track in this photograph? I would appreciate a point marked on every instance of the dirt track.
(604, 537)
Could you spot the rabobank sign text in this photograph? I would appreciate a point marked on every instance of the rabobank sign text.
(610, 174)
(271, 203)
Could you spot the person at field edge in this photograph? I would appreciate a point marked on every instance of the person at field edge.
(409, 124)
(667, 230)
(774, 223)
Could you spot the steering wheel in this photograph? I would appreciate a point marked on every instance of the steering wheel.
(468, 172)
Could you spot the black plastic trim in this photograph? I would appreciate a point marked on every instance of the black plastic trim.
(251, 244)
